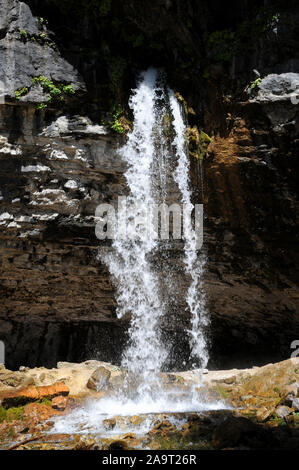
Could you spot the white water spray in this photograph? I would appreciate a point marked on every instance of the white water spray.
(138, 287)
(153, 157)
(137, 284)
(194, 264)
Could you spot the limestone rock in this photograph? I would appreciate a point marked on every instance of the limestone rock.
(99, 379)
(24, 60)
(39, 412)
(60, 403)
(295, 404)
(283, 411)
(32, 393)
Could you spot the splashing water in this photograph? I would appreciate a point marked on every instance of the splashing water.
(138, 286)
(153, 156)
(194, 264)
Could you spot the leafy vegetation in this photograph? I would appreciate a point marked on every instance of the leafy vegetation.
(21, 92)
(256, 83)
(116, 125)
(198, 142)
(40, 38)
(23, 34)
(54, 90)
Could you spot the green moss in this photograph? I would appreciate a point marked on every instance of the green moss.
(11, 414)
(182, 101)
(46, 401)
(198, 142)
(2, 414)
(175, 441)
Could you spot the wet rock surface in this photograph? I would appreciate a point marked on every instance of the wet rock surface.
(239, 426)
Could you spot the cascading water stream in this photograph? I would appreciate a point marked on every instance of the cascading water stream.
(138, 289)
(194, 264)
(137, 283)
(157, 160)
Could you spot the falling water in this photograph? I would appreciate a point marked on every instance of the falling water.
(138, 286)
(156, 152)
(194, 264)
(137, 283)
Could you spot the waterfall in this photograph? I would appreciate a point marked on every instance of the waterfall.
(131, 259)
(156, 154)
(137, 284)
(194, 264)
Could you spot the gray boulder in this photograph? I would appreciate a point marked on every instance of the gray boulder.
(282, 87)
(23, 58)
(278, 94)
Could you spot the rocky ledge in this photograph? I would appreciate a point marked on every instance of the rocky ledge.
(257, 408)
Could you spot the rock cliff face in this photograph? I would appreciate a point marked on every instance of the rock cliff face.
(57, 166)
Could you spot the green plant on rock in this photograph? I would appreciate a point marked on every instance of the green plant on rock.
(21, 92)
(198, 142)
(54, 90)
(116, 125)
(23, 34)
(46, 401)
(68, 89)
(43, 21)
(41, 106)
(47, 85)
(11, 414)
(256, 83)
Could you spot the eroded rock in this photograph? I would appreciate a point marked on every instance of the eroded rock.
(99, 379)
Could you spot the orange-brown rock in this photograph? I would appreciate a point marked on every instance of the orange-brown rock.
(39, 412)
(60, 403)
(32, 393)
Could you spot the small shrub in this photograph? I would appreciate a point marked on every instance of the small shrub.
(41, 106)
(23, 34)
(256, 83)
(21, 92)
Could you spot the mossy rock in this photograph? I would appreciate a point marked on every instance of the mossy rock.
(198, 141)
(11, 414)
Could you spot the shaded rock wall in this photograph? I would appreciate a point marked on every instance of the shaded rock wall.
(57, 301)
